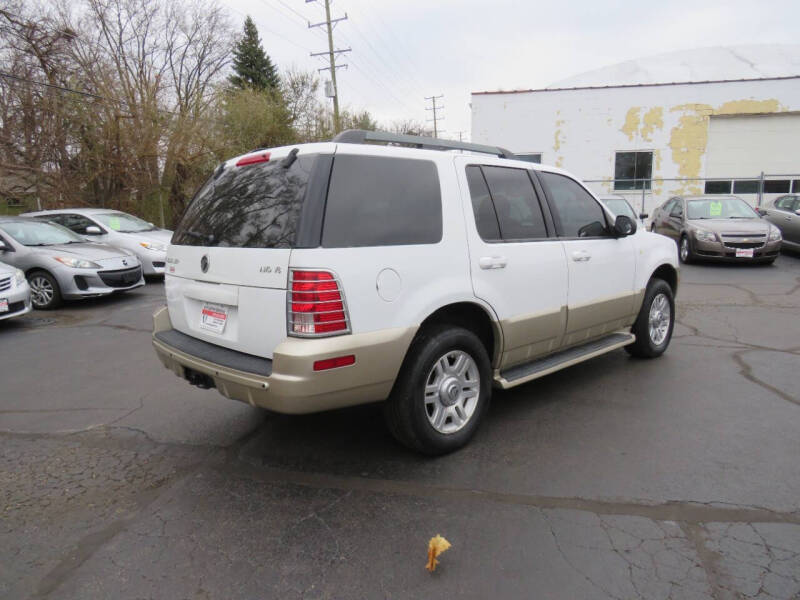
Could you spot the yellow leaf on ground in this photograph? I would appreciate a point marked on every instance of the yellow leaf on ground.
(436, 546)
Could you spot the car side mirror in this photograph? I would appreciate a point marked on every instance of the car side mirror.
(3, 246)
(93, 230)
(761, 211)
(624, 225)
(643, 216)
(797, 212)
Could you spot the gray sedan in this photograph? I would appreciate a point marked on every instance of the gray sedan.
(784, 213)
(117, 228)
(15, 294)
(60, 264)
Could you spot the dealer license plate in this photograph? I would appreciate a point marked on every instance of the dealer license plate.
(3, 305)
(744, 253)
(214, 317)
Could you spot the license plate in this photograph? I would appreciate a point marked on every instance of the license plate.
(744, 253)
(213, 317)
(3, 305)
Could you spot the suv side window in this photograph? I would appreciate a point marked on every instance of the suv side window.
(515, 202)
(382, 201)
(576, 212)
(482, 207)
(784, 203)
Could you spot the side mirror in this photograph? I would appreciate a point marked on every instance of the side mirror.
(761, 211)
(624, 225)
(797, 212)
(3, 246)
(643, 216)
(93, 230)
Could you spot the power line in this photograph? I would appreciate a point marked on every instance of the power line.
(330, 24)
(434, 108)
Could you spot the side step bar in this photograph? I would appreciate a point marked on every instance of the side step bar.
(560, 360)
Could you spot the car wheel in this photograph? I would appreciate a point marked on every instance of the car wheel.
(656, 320)
(685, 250)
(442, 392)
(45, 293)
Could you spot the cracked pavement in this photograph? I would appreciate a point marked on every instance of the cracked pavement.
(617, 478)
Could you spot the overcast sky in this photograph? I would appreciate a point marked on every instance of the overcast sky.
(406, 50)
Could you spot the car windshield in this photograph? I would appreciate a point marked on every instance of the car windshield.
(720, 208)
(123, 222)
(39, 233)
(620, 206)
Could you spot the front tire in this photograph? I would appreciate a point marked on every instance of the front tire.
(685, 250)
(656, 320)
(442, 391)
(45, 292)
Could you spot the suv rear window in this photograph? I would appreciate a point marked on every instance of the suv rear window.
(382, 201)
(253, 206)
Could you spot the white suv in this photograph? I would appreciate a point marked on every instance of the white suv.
(308, 278)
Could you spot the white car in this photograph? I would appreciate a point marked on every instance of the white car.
(313, 277)
(15, 294)
(116, 228)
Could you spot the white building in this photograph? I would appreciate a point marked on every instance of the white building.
(725, 114)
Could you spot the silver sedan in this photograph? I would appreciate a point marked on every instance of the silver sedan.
(117, 228)
(15, 294)
(60, 264)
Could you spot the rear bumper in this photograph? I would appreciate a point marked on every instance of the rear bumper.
(288, 384)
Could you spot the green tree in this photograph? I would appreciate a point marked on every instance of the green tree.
(251, 65)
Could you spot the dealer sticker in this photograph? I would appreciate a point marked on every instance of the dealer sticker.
(3, 305)
(214, 317)
(744, 253)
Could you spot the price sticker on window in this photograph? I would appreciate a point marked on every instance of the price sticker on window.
(715, 209)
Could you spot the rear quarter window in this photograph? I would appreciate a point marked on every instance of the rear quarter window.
(382, 201)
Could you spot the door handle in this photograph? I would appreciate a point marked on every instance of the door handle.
(581, 256)
(788, 218)
(493, 262)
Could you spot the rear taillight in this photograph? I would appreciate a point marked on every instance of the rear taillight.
(315, 304)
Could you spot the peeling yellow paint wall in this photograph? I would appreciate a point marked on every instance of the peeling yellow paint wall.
(653, 120)
(689, 138)
(631, 126)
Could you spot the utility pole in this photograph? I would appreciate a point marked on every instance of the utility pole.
(331, 53)
(434, 108)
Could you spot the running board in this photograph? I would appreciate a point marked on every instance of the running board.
(566, 358)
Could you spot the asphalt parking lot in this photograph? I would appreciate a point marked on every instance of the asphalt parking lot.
(618, 478)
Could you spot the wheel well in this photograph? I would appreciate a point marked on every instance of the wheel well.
(469, 316)
(34, 269)
(668, 274)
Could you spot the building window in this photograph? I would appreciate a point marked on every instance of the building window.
(533, 157)
(13, 202)
(796, 186)
(746, 186)
(718, 187)
(776, 186)
(633, 170)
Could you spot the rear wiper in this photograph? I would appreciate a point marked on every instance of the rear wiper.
(209, 239)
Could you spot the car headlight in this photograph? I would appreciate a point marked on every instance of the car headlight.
(76, 263)
(19, 277)
(774, 234)
(154, 246)
(704, 236)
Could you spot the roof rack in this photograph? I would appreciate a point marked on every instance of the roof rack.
(361, 136)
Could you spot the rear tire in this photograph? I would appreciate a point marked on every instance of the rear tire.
(442, 391)
(656, 320)
(45, 293)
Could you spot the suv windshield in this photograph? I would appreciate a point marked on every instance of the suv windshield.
(722, 208)
(38, 233)
(252, 206)
(123, 222)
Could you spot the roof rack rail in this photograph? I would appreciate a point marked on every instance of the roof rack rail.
(362, 136)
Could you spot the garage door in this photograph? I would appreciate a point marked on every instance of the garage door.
(745, 146)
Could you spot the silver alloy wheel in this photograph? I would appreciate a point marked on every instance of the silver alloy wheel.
(452, 391)
(659, 319)
(684, 248)
(42, 291)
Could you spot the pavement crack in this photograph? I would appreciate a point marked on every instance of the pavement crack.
(746, 371)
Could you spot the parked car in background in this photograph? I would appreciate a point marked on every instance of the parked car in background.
(60, 264)
(15, 293)
(784, 213)
(117, 228)
(620, 206)
(715, 227)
